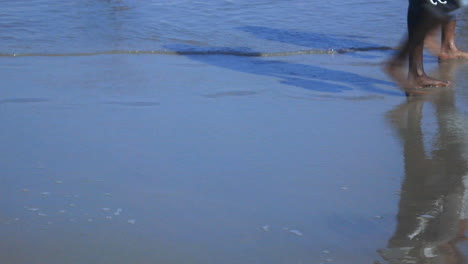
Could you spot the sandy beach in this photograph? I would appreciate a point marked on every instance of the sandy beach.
(200, 163)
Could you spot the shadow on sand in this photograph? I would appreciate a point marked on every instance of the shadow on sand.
(310, 77)
(316, 41)
(306, 76)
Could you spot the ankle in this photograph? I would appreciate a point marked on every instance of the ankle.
(416, 74)
(449, 48)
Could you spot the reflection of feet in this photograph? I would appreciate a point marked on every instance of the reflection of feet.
(416, 92)
(399, 117)
(453, 54)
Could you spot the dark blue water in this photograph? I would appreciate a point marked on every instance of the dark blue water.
(47, 26)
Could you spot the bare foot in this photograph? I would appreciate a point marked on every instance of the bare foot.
(418, 86)
(412, 86)
(393, 69)
(425, 81)
(453, 54)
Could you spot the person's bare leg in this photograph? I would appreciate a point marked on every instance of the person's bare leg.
(420, 24)
(449, 49)
(416, 74)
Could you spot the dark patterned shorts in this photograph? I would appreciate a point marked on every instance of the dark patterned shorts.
(440, 8)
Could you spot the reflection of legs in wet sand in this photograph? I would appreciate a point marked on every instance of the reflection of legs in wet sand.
(421, 22)
(463, 224)
(433, 208)
(451, 253)
(450, 250)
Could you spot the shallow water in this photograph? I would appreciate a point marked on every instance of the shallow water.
(106, 26)
(120, 157)
(45, 26)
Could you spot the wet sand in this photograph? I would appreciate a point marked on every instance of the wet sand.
(225, 159)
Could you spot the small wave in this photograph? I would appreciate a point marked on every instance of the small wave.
(208, 51)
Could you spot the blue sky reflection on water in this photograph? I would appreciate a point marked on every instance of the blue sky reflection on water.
(89, 26)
